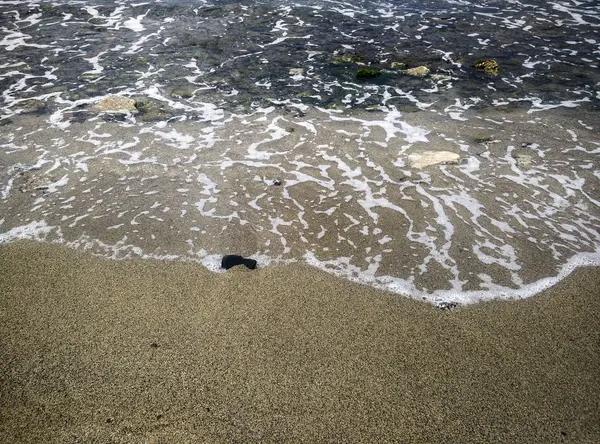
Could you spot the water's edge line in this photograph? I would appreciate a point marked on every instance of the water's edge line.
(40, 231)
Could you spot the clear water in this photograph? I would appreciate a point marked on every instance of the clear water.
(254, 135)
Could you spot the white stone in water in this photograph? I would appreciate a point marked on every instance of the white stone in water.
(419, 71)
(296, 71)
(428, 158)
(117, 104)
(524, 161)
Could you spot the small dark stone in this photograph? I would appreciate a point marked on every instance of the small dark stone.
(109, 420)
(154, 345)
(77, 117)
(447, 305)
(563, 433)
(231, 260)
(483, 139)
(114, 117)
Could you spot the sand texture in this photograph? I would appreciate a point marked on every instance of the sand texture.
(94, 350)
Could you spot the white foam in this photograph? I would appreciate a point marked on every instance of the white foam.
(341, 267)
(135, 24)
(14, 39)
(36, 230)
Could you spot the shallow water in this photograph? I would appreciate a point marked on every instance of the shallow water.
(253, 135)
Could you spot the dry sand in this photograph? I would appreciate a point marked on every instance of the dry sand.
(94, 350)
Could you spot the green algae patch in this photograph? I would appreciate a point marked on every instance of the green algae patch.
(367, 73)
(89, 76)
(349, 58)
(483, 138)
(150, 112)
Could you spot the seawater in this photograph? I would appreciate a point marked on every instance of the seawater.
(252, 133)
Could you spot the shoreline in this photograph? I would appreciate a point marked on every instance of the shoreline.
(142, 351)
(39, 232)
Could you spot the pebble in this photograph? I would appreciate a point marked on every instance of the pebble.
(231, 260)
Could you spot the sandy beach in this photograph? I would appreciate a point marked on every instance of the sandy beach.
(360, 152)
(95, 350)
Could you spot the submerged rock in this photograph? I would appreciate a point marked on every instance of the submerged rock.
(419, 71)
(24, 167)
(483, 138)
(428, 158)
(352, 58)
(398, 65)
(151, 112)
(89, 76)
(440, 77)
(29, 182)
(32, 105)
(118, 104)
(182, 93)
(524, 161)
(489, 66)
(296, 71)
(231, 260)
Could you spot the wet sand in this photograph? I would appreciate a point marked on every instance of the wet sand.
(346, 197)
(94, 350)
